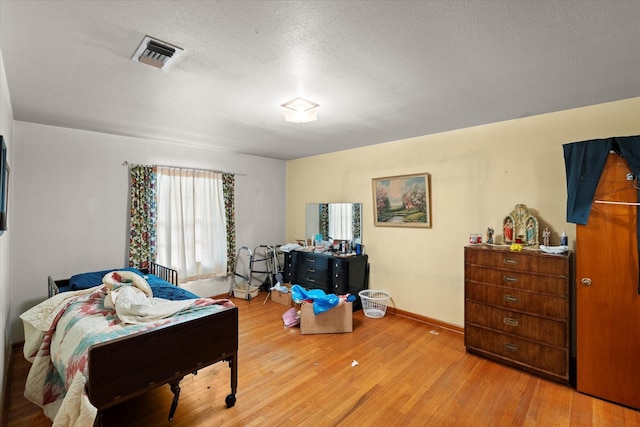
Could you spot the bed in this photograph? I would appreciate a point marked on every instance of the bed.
(76, 375)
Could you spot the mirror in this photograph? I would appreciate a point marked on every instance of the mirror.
(340, 221)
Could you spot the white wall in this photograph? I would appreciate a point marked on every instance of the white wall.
(70, 202)
(478, 175)
(6, 130)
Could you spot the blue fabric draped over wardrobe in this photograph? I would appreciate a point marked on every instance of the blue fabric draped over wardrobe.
(584, 163)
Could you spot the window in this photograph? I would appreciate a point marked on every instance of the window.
(341, 221)
(191, 234)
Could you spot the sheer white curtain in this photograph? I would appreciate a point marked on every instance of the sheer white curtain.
(191, 227)
(340, 220)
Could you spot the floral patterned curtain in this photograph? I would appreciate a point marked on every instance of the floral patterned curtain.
(355, 226)
(324, 220)
(228, 182)
(142, 232)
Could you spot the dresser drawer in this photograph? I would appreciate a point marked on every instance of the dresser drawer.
(551, 285)
(518, 261)
(531, 354)
(306, 276)
(304, 269)
(313, 281)
(312, 270)
(514, 299)
(312, 261)
(547, 331)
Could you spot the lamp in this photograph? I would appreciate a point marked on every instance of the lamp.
(300, 110)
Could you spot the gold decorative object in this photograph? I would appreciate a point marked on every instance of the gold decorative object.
(520, 227)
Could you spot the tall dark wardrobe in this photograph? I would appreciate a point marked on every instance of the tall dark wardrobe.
(603, 199)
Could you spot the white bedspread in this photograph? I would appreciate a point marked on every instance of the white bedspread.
(135, 308)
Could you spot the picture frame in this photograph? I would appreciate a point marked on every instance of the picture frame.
(4, 185)
(402, 201)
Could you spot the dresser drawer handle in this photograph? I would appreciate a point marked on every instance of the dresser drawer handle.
(509, 321)
(309, 279)
(510, 261)
(510, 298)
(511, 347)
(510, 279)
(311, 260)
(310, 270)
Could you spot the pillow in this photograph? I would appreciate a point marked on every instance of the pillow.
(92, 278)
(114, 278)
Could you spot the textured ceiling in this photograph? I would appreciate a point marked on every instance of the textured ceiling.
(380, 70)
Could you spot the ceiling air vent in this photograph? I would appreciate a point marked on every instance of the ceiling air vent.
(156, 53)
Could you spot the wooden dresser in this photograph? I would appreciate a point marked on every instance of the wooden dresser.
(517, 308)
(334, 274)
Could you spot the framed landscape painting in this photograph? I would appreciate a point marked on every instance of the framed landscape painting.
(402, 201)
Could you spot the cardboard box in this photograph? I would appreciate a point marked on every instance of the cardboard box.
(283, 298)
(336, 320)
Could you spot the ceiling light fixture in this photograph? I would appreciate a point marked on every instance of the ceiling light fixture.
(300, 110)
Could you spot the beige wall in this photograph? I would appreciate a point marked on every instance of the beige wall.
(477, 176)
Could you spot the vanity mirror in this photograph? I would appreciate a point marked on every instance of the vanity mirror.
(340, 221)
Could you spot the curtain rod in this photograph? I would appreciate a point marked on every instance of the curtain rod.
(125, 163)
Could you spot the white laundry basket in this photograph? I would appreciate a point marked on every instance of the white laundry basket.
(374, 302)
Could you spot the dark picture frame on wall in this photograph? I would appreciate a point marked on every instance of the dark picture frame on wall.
(402, 201)
(4, 185)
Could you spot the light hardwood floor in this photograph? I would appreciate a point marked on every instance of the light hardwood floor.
(408, 374)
